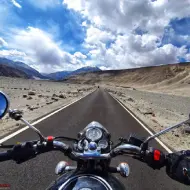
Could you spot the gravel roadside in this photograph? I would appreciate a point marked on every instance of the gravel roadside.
(37, 98)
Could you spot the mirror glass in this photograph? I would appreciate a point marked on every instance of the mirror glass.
(4, 104)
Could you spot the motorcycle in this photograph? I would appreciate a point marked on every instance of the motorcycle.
(92, 151)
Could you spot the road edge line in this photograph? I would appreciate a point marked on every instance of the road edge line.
(140, 122)
(39, 120)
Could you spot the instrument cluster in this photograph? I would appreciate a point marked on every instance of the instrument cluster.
(95, 135)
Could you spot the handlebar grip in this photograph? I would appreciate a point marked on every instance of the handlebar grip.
(6, 155)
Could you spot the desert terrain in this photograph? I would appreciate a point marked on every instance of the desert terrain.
(37, 98)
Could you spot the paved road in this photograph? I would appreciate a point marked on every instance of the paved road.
(99, 106)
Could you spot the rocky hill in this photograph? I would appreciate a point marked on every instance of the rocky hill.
(164, 74)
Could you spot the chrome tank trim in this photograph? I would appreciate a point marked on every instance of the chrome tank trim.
(91, 175)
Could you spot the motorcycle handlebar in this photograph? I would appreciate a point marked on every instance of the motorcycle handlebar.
(96, 155)
(38, 148)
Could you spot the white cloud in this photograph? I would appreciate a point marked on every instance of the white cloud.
(3, 42)
(136, 51)
(112, 37)
(38, 48)
(126, 15)
(38, 44)
(126, 51)
(13, 53)
(80, 55)
(84, 24)
(16, 4)
(96, 36)
(104, 68)
(74, 4)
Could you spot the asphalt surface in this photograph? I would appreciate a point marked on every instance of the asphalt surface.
(99, 106)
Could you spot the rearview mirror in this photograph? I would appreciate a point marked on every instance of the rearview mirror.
(4, 104)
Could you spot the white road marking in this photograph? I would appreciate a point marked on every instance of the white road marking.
(159, 141)
(38, 121)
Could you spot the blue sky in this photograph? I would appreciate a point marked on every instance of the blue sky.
(54, 35)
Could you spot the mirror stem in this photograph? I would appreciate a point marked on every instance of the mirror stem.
(165, 131)
(42, 138)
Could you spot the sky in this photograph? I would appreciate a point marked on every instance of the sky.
(55, 35)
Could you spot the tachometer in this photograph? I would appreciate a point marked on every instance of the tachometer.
(93, 134)
(103, 144)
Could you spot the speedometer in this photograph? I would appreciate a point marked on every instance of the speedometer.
(93, 134)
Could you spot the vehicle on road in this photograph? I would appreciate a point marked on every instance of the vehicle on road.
(92, 150)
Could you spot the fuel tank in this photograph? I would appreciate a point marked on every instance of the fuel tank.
(71, 181)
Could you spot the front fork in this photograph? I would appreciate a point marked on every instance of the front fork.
(63, 167)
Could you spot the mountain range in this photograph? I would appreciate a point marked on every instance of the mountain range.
(65, 74)
(20, 67)
(11, 68)
(177, 75)
(8, 71)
